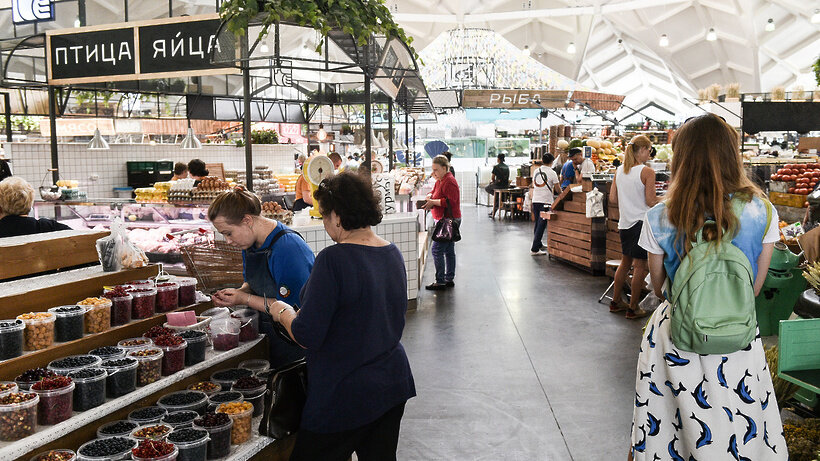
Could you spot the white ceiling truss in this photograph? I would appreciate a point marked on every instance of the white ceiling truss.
(639, 67)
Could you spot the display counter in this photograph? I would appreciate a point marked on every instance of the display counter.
(574, 238)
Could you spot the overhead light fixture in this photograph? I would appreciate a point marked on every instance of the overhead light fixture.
(321, 135)
(504, 111)
(770, 25)
(815, 18)
(571, 48)
(621, 43)
(664, 41)
(77, 22)
(97, 142)
(190, 141)
(264, 48)
(711, 35)
(526, 51)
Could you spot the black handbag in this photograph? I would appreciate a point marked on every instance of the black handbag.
(284, 400)
(447, 228)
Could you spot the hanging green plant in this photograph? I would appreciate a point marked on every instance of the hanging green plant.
(817, 70)
(359, 18)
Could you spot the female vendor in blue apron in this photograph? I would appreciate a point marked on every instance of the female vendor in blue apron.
(276, 263)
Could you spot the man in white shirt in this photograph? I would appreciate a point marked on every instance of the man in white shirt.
(545, 183)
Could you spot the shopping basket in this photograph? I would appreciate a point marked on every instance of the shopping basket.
(215, 264)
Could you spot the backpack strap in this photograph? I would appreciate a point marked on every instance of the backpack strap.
(768, 217)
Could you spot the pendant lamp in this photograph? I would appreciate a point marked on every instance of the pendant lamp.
(97, 142)
(190, 141)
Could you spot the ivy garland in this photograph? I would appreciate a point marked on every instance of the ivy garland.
(817, 70)
(359, 18)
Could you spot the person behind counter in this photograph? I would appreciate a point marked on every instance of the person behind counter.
(500, 180)
(544, 183)
(180, 171)
(633, 190)
(303, 197)
(276, 263)
(338, 163)
(571, 168)
(350, 324)
(197, 170)
(16, 199)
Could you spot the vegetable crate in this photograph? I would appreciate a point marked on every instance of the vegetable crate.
(785, 199)
(799, 361)
(215, 265)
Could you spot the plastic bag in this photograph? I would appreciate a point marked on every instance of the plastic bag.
(595, 204)
(117, 252)
(650, 302)
(527, 207)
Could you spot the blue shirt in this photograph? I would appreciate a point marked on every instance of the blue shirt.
(351, 321)
(290, 264)
(567, 173)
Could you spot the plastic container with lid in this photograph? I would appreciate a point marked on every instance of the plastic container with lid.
(150, 364)
(226, 377)
(62, 454)
(141, 283)
(254, 395)
(89, 390)
(131, 344)
(7, 387)
(208, 387)
(18, 415)
(184, 400)
(108, 352)
(187, 290)
(153, 431)
(225, 333)
(191, 443)
(120, 428)
(197, 344)
(174, 358)
(147, 415)
(217, 312)
(172, 456)
(11, 338)
(255, 365)
(180, 419)
(223, 397)
(220, 444)
(39, 332)
(249, 327)
(70, 322)
(107, 449)
(26, 379)
(121, 307)
(66, 365)
(167, 296)
(97, 314)
(241, 414)
(144, 303)
(55, 405)
(122, 376)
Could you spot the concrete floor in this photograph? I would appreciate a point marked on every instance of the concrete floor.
(518, 361)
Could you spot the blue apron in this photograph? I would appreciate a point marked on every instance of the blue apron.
(261, 281)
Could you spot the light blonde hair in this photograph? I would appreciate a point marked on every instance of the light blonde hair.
(16, 196)
(442, 160)
(632, 148)
(707, 170)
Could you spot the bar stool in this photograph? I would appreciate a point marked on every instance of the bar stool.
(613, 263)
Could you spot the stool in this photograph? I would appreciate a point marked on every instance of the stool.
(613, 263)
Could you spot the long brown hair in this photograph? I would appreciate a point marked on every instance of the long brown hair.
(706, 171)
(632, 148)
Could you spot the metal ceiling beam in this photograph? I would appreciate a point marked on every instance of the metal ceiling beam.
(719, 52)
(670, 13)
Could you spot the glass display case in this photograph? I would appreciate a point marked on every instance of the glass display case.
(95, 213)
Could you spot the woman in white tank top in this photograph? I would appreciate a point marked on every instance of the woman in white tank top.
(633, 190)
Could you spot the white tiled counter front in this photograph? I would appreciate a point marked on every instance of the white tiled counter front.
(401, 229)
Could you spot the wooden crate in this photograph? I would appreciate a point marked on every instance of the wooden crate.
(32, 254)
(792, 200)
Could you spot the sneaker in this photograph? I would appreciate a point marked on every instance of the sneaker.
(618, 306)
(636, 314)
(538, 253)
(450, 284)
(436, 286)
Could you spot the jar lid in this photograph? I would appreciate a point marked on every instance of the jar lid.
(71, 310)
(10, 325)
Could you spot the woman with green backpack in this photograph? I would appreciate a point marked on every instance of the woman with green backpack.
(702, 388)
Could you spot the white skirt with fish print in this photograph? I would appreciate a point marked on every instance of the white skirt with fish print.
(691, 407)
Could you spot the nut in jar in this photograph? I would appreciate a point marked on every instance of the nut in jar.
(39, 331)
(18, 415)
(98, 315)
(241, 414)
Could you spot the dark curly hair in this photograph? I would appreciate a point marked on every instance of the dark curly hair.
(196, 167)
(352, 197)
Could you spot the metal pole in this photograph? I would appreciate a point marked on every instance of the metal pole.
(52, 122)
(407, 140)
(7, 102)
(414, 143)
(246, 122)
(367, 125)
(390, 135)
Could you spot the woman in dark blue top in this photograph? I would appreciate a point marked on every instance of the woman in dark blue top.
(350, 324)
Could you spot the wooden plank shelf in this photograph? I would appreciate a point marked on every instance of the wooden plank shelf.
(31, 254)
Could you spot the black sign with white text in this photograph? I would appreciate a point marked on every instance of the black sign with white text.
(99, 53)
(181, 46)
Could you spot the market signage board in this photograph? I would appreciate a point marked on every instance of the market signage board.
(514, 99)
(26, 11)
(164, 48)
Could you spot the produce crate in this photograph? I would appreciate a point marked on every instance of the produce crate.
(792, 200)
(798, 360)
(215, 265)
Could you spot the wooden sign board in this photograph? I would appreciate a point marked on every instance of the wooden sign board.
(514, 99)
(216, 169)
(162, 48)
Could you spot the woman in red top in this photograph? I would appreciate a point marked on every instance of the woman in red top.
(445, 192)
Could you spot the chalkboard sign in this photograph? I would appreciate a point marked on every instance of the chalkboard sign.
(801, 117)
(99, 53)
(162, 48)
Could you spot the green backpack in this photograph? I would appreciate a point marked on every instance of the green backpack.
(712, 297)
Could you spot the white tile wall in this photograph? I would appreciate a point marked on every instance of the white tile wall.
(401, 230)
(31, 160)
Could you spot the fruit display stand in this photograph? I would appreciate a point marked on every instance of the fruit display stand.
(574, 238)
(40, 292)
